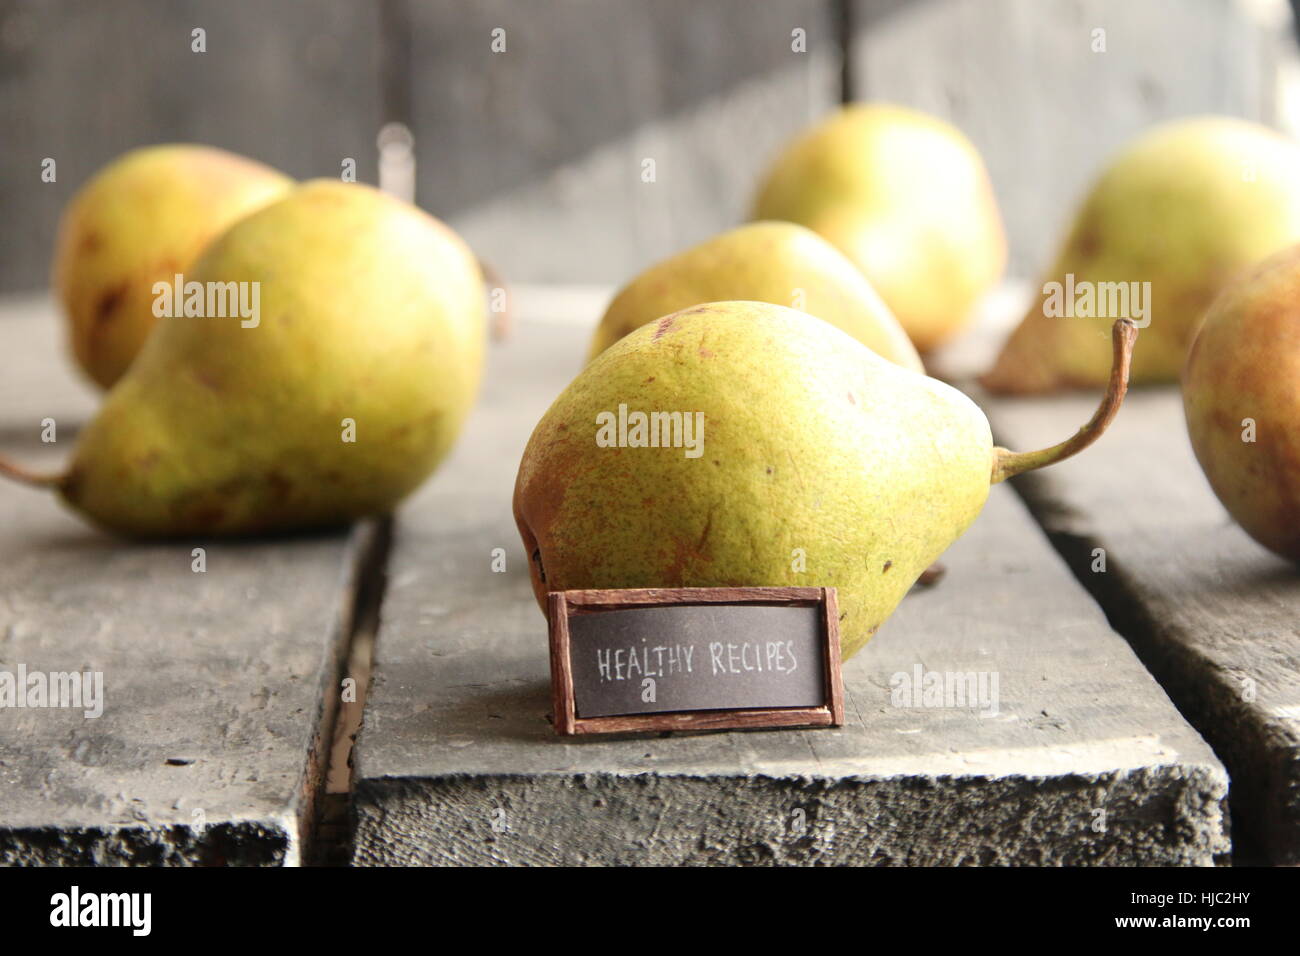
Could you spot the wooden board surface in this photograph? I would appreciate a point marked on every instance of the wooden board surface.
(217, 686)
(1214, 615)
(1086, 760)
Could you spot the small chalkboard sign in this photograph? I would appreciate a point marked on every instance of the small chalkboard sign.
(653, 659)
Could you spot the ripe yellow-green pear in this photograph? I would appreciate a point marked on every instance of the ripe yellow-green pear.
(778, 262)
(335, 388)
(1241, 394)
(1185, 208)
(140, 220)
(907, 198)
(748, 444)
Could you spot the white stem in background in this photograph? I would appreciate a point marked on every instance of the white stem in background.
(397, 161)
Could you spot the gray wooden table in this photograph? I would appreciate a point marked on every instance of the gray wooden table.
(221, 687)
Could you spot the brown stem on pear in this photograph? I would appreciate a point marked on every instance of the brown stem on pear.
(21, 474)
(1008, 464)
(931, 576)
(502, 322)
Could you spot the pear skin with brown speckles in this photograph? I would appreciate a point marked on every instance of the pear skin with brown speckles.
(142, 219)
(745, 444)
(332, 400)
(819, 464)
(1241, 395)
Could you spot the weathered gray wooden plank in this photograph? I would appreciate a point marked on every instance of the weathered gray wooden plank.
(1214, 615)
(1022, 79)
(536, 153)
(216, 685)
(457, 762)
(296, 85)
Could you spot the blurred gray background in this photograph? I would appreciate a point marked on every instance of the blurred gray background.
(536, 153)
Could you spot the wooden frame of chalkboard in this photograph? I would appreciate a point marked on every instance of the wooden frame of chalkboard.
(562, 605)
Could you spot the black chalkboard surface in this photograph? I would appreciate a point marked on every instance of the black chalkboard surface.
(694, 658)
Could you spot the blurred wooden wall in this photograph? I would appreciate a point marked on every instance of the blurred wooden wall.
(1027, 82)
(537, 153)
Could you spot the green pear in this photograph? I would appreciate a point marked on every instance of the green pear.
(1241, 394)
(778, 262)
(331, 400)
(1185, 208)
(782, 452)
(143, 219)
(907, 198)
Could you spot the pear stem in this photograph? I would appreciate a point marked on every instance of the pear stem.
(1008, 464)
(21, 474)
(503, 321)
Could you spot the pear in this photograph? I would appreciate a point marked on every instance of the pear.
(907, 198)
(140, 220)
(778, 262)
(333, 401)
(1242, 402)
(783, 452)
(1184, 208)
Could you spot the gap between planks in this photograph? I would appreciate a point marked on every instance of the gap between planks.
(327, 787)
